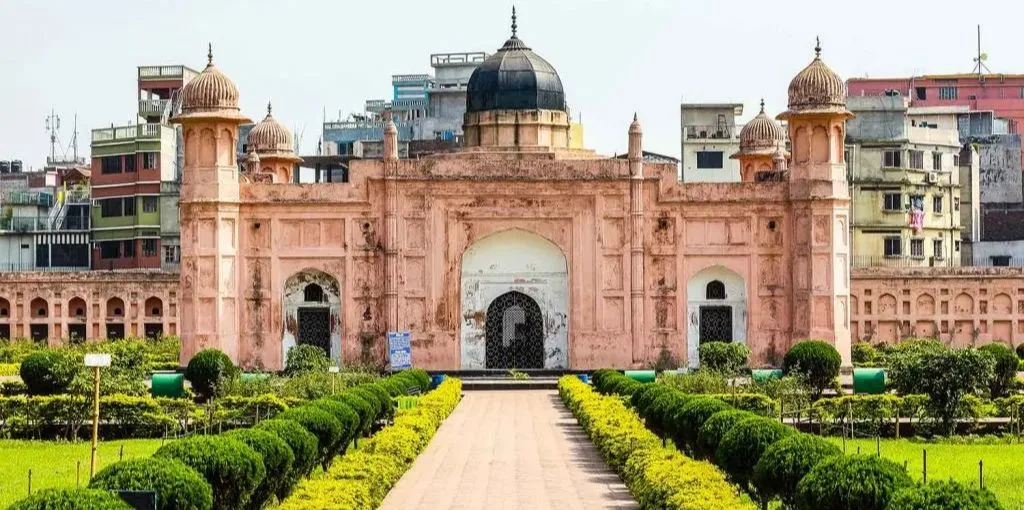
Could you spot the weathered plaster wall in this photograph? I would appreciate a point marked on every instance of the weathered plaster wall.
(735, 298)
(962, 306)
(1000, 169)
(90, 299)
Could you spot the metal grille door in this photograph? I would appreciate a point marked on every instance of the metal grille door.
(315, 328)
(515, 332)
(715, 324)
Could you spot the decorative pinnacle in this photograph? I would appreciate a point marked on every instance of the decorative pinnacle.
(514, 26)
(268, 108)
(817, 46)
(209, 54)
(634, 117)
(762, 105)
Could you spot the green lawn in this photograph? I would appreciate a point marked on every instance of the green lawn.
(1003, 473)
(54, 464)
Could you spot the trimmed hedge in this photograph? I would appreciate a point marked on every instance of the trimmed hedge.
(944, 495)
(691, 418)
(348, 419)
(277, 462)
(743, 445)
(303, 446)
(49, 372)
(715, 428)
(304, 358)
(361, 479)
(786, 462)
(233, 470)
(1005, 368)
(864, 482)
(71, 499)
(726, 358)
(814, 361)
(207, 371)
(177, 486)
(362, 407)
(320, 423)
(656, 476)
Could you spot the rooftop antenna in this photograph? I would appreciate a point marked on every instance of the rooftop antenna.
(52, 127)
(74, 139)
(979, 67)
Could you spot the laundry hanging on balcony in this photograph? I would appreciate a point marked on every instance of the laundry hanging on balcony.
(917, 214)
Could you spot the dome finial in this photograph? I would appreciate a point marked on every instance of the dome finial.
(762, 105)
(817, 47)
(268, 108)
(209, 54)
(514, 26)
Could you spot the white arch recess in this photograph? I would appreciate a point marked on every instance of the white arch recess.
(735, 296)
(514, 260)
(295, 298)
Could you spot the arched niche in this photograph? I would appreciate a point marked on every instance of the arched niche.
(5, 309)
(514, 261)
(115, 308)
(154, 307)
(39, 308)
(77, 309)
(312, 312)
(716, 308)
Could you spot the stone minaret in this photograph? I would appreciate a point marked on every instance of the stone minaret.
(759, 140)
(209, 120)
(820, 201)
(636, 246)
(391, 226)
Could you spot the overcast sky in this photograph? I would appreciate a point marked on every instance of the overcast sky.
(614, 57)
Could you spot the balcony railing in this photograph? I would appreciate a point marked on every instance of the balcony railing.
(126, 133)
(712, 132)
(901, 261)
(165, 72)
(440, 59)
(36, 198)
(409, 78)
(14, 267)
(381, 105)
(25, 224)
(153, 107)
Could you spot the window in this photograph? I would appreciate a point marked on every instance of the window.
(172, 254)
(937, 249)
(917, 247)
(892, 159)
(956, 204)
(129, 162)
(1022, 92)
(110, 164)
(893, 247)
(149, 160)
(149, 247)
(947, 93)
(111, 207)
(956, 160)
(129, 206)
(110, 249)
(1000, 260)
(148, 204)
(956, 246)
(937, 204)
(917, 160)
(921, 93)
(709, 159)
(128, 248)
(937, 161)
(893, 202)
(715, 290)
(313, 293)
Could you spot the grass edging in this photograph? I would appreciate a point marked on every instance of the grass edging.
(361, 479)
(656, 476)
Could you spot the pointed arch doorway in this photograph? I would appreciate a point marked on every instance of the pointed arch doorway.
(515, 332)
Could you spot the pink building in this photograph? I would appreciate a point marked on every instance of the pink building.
(516, 251)
(1001, 93)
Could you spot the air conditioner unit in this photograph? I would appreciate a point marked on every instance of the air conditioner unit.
(932, 177)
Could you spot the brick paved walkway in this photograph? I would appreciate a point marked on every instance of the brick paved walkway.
(510, 450)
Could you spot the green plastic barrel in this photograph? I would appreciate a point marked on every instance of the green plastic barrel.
(762, 375)
(869, 380)
(641, 375)
(168, 385)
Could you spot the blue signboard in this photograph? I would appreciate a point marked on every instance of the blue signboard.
(400, 349)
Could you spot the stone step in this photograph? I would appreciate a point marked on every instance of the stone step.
(506, 383)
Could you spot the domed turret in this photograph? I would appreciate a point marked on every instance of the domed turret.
(270, 137)
(211, 94)
(514, 78)
(761, 136)
(816, 89)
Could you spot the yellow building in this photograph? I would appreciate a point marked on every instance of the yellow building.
(904, 173)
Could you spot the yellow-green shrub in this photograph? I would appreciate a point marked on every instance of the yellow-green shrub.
(329, 494)
(656, 476)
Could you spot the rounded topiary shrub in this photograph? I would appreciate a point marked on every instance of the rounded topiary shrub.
(815, 361)
(715, 428)
(660, 413)
(177, 486)
(320, 423)
(363, 408)
(208, 370)
(944, 495)
(277, 462)
(372, 399)
(422, 378)
(348, 418)
(387, 404)
(864, 482)
(741, 447)
(71, 499)
(306, 358)
(864, 353)
(303, 445)
(232, 469)
(1005, 369)
(786, 462)
(645, 396)
(1020, 351)
(48, 372)
(692, 417)
(393, 388)
(725, 358)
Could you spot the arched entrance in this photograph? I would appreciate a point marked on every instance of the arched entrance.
(515, 332)
(514, 302)
(312, 312)
(717, 309)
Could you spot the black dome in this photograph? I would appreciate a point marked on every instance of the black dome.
(514, 78)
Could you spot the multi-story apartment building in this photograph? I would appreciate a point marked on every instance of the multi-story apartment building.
(710, 135)
(904, 169)
(135, 169)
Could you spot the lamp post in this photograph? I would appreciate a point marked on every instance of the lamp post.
(334, 378)
(96, 361)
